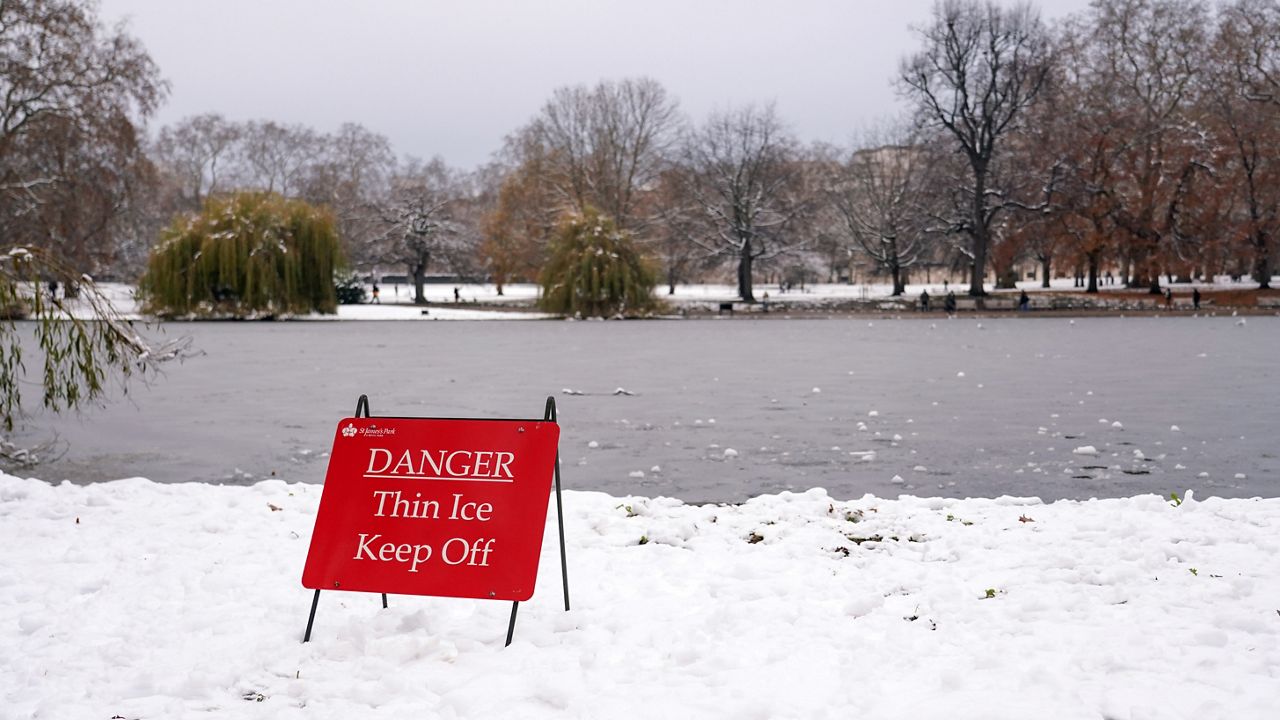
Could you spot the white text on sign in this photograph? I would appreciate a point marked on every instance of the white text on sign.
(456, 551)
(391, 503)
(472, 465)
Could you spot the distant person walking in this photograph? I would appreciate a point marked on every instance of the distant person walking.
(924, 301)
(1024, 302)
(950, 303)
(376, 292)
(1195, 298)
(457, 296)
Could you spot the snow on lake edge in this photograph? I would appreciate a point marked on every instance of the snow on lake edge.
(141, 599)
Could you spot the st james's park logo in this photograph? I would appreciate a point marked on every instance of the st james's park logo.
(350, 430)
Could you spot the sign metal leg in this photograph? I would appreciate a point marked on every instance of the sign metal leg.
(550, 414)
(511, 626)
(315, 600)
(564, 562)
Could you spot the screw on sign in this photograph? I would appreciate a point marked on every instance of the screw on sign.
(425, 506)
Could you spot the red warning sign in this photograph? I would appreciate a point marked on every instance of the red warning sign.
(420, 506)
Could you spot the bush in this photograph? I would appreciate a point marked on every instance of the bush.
(349, 289)
(246, 255)
(595, 270)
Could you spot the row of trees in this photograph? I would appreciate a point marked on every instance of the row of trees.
(1142, 132)
(1141, 136)
(390, 212)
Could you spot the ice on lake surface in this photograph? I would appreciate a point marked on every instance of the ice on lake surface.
(905, 406)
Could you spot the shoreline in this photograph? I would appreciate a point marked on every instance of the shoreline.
(1052, 302)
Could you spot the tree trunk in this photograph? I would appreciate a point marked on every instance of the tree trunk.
(1262, 261)
(1044, 271)
(744, 273)
(980, 233)
(896, 271)
(419, 272)
(1093, 273)
(419, 279)
(1146, 272)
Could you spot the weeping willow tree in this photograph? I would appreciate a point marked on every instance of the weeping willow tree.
(595, 270)
(80, 344)
(247, 254)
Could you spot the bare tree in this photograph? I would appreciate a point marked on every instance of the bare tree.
(72, 96)
(474, 195)
(418, 226)
(276, 157)
(604, 146)
(1145, 57)
(982, 65)
(1039, 166)
(878, 194)
(352, 174)
(1244, 97)
(86, 218)
(198, 153)
(518, 221)
(1073, 139)
(743, 171)
(1252, 29)
(670, 240)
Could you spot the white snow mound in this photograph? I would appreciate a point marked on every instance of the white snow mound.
(141, 599)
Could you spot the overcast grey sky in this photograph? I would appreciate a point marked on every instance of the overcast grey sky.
(451, 78)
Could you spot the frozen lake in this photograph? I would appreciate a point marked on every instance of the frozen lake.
(726, 409)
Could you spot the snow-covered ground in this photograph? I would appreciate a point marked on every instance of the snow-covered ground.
(122, 297)
(135, 599)
(812, 293)
(396, 301)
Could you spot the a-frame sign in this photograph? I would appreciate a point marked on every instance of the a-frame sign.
(436, 506)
